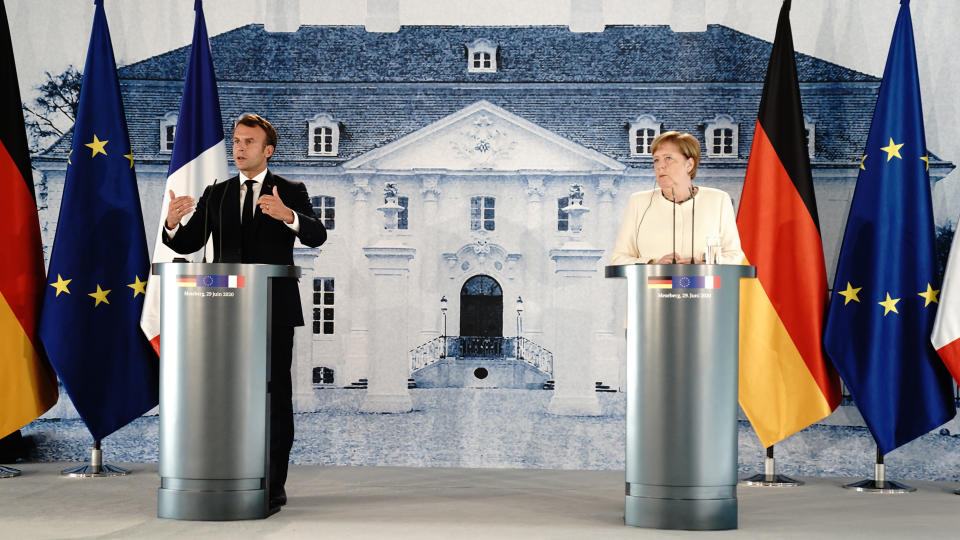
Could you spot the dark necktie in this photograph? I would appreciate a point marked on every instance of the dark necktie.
(246, 223)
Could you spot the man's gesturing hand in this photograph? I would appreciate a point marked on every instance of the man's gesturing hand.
(272, 206)
(179, 207)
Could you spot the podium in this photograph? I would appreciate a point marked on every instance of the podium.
(682, 360)
(214, 375)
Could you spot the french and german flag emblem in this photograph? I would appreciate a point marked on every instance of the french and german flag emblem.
(211, 280)
(683, 282)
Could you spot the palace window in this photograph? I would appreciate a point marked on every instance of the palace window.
(481, 56)
(323, 306)
(403, 215)
(168, 130)
(721, 137)
(323, 135)
(325, 208)
(323, 375)
(643, 131)
(563, 218)
(482, 214)
(810, 135)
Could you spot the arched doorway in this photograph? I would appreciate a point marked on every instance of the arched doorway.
(481, 307)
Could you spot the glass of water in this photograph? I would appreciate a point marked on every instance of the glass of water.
(713, 250)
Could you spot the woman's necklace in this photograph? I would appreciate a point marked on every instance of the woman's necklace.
(694, 191)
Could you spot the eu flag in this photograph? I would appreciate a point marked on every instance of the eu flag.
(99, 264)
(885, 292)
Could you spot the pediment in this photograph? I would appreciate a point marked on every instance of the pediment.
(484, 137)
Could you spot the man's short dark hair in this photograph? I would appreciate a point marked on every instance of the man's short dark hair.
(255, 120)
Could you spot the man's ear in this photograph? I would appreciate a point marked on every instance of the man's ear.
(268, 150)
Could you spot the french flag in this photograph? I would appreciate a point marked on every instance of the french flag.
(199, 157)
(946, 327)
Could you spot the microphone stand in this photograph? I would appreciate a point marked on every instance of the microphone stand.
(693, 223)
(206, 213)
(673, 195)
(219, 250)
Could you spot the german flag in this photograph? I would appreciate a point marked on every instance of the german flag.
(28, 385)
(786, 384)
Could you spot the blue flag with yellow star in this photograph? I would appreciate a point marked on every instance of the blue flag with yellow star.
(90, 324)
(885, 292)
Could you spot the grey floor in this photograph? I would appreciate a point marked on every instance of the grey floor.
(394, 502)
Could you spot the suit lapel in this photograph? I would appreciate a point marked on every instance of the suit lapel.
(267, 188)
(230, 235)
(230, 208)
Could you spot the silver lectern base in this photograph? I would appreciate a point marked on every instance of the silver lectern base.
(685, 514)
(211, 505)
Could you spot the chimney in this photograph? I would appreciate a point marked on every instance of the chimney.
(383, 15)
(281, 15)
(689, 16)
(586, 16)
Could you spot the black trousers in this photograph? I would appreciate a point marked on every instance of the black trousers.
(281, 406)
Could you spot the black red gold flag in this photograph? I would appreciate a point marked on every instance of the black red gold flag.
(28, 385)
(786, 384)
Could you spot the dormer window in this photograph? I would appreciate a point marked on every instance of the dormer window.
(482, 56)
(168, 130)
(482, 61)
(323, 135)
(643, 131)
(810, 135)
(721, 137)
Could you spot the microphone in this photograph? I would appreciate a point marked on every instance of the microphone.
(653, 192)
(693, 223)
(206, 213)
(673, 195)
(218, 249)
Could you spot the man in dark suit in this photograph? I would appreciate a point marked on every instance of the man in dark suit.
(245, 231)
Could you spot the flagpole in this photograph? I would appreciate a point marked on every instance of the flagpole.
(879, 483)
(769, 477)
(97, 468)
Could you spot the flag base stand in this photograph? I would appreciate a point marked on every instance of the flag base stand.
(91, 471)
(769, 477)
(879, 484)
(97, 468)
(776, 480)
(8, 472)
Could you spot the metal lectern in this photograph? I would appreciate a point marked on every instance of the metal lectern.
(682, 351)
(214, 406)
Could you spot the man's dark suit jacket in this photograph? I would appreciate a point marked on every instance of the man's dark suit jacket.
(219, 206)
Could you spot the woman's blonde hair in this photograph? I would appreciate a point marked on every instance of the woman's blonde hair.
(688, 144)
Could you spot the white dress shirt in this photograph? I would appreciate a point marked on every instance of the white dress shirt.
(257, 186)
